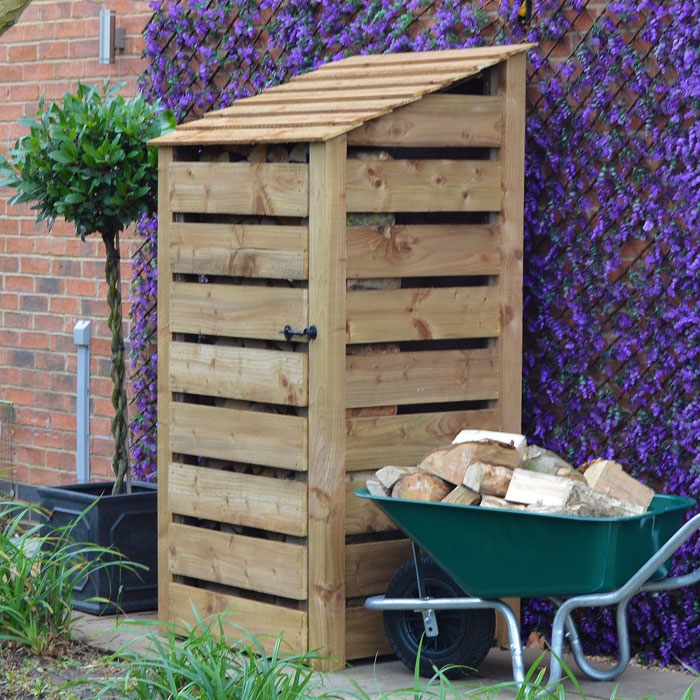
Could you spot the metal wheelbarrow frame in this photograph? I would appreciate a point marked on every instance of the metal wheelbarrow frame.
(629, 556)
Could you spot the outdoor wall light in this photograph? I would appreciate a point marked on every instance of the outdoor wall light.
(111, 36)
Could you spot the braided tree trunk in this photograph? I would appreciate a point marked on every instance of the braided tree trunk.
(120, 422)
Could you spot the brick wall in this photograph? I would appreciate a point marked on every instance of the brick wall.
(49, 281)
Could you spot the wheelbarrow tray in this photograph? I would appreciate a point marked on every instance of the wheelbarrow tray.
(494, 553)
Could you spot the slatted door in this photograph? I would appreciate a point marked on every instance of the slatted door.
(234, 416)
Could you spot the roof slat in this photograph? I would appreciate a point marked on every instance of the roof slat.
(338, 97)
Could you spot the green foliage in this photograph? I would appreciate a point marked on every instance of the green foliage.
(202, 663)
(39, 569)
(86, 160)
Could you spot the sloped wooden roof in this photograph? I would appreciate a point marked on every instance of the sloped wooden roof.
(337, 97)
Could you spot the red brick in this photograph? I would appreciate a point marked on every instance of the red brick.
(20, 53)
(72, 29)
(30, 455)
(17, 283)
(20, 246)
(34, 265)
(39, 70)
(36, 341)
(81, 287)
(47, 438)
(64, 305)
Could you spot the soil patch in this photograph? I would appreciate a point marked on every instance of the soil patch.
(25, 676)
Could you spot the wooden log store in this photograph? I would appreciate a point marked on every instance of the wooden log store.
(340, 274)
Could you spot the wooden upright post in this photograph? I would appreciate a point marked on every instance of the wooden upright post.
(511, 86)
(165, 217)
(326, 475)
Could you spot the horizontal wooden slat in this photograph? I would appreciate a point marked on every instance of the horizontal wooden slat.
(362, 515)
(240, 311)
(230, 497)
(481, 55)
(436, 121)
(380, 316)
(252, 437)
(423, 185)
(261, 189)
(421, 377)
(276, 252)
(364, 634)
(422, 251)
(252, 563)
(374, 442)
(244, 615)
(369, 566)
(266, 376)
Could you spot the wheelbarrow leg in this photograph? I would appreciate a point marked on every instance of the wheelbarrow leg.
(563, 620)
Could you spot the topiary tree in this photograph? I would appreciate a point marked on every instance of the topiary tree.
(87, 160)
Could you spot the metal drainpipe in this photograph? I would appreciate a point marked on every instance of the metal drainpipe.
(81, 337)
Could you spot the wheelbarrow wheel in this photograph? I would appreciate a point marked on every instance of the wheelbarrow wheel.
(464, 636)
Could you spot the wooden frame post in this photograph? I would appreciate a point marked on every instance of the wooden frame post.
(326, 475)
(165, 217)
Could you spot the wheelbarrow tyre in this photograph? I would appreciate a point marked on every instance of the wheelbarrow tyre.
(464, 636)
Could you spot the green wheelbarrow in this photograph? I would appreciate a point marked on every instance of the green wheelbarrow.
(468, 558)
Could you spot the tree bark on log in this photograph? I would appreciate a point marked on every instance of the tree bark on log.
(10, 11)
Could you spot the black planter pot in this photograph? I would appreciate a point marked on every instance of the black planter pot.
(128, 523)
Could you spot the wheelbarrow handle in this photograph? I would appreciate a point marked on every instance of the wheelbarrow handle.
(620, 597)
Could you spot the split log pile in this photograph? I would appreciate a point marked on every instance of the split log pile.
(499, 470)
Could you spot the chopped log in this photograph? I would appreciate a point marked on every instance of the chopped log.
(488, 479)
(451, 462)
(388, 476)
(539, 459)
(501, 503)
(515, 440)
(462, 496)
(421, 487)
(607, 476)
(600, 505)
(376, 488)
(533, 487)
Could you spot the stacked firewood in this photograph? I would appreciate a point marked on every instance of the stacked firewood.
(499, 470)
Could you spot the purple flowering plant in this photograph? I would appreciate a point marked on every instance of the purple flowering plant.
(612, 249)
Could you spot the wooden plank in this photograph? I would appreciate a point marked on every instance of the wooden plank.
(277, 252)
(422, 251)
(165, 222)
(365, 637)
(251, 437)
(263, 619)
(421, 79)
(511, 85)
(238, 499)
(259, 189)
(210, 137)
(240, 311)
(423, 185)
(369, 566)
(436, 121)
(259, 375)
(237, 119)
(374, 442)
(433, 58)
(361, 515)
(326, 475)
(252, 563)
(421, 377)
(364, 109)
(380, 316)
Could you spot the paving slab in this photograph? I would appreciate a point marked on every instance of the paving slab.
(376, 679)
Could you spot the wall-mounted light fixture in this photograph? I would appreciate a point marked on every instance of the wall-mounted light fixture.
(111, 36)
